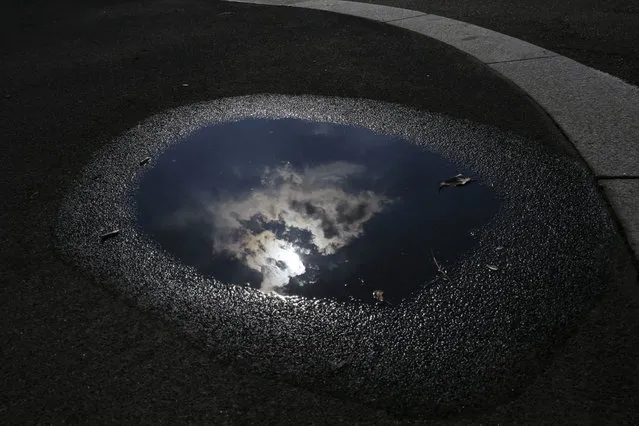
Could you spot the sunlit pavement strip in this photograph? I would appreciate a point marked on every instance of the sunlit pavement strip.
(598, 113)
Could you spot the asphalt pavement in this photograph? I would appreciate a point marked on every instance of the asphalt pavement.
(600, 34)
(79, 75)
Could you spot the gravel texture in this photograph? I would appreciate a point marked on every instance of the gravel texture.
(473, 336)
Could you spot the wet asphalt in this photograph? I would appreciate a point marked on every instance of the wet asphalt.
(78, 348)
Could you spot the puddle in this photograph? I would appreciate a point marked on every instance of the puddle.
(310, 209)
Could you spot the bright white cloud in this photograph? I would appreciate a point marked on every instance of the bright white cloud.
(313, 200)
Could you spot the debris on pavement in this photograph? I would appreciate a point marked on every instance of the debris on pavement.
(378, 295)
(458, 180)
(336, 365)
(440, 268)
(109, 235)
(145, 161)
(492, 267)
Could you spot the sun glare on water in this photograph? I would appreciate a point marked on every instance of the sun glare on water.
(278, 262)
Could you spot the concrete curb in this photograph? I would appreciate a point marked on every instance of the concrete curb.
(598, 113)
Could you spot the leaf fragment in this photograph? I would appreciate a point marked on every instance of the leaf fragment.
(458, 180)
(378, 295)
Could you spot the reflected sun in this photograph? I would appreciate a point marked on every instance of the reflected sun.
(292, 260)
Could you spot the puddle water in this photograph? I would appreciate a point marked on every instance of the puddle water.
(310, 209)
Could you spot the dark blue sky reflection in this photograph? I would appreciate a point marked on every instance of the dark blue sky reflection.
(309, 209)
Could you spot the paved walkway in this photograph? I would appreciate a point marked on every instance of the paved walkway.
(602, 34)
(81, 73)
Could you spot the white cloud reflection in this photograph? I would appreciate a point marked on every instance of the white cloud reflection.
(313, 201)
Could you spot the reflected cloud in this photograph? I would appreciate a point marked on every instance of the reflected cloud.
(293, 213)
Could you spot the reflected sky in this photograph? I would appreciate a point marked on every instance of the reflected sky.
(309, 209)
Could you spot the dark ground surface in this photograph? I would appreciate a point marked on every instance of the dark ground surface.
(75, 77)
(603, 34)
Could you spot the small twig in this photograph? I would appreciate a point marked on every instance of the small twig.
(109, 235)
(440, 269)
(145, 161)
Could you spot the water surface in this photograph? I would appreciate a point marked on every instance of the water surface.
(310, 209)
